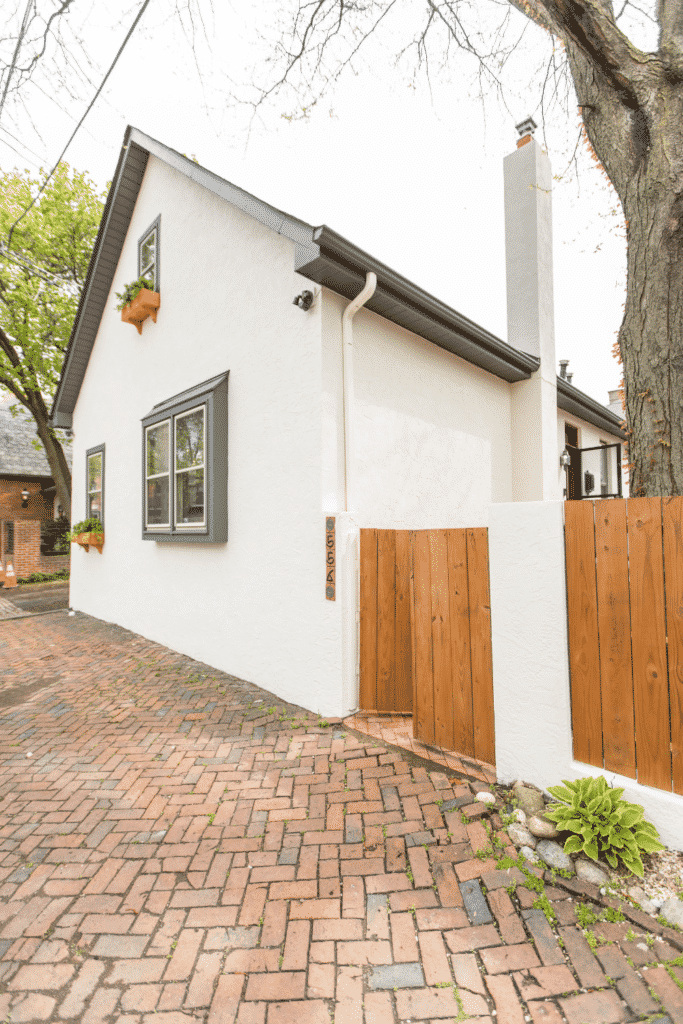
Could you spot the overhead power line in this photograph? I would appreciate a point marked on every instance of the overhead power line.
(20, 38)
(73, 134)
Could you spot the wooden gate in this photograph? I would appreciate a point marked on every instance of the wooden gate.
(385, 636)
(625, 621)
(425, 634)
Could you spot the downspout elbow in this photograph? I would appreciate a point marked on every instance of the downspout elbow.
(347, 357)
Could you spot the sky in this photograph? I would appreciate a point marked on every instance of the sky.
(410, 171)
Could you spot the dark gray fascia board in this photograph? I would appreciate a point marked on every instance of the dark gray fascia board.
(112, 232)
(573, 401)
(118, 210)
(335, 263)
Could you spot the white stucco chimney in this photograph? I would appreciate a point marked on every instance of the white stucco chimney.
(616, 402)
(536, 473)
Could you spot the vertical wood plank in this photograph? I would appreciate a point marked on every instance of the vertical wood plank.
(441, 640)
(672, 516)
(367, 697)
(386, 618)
(480, 643)
(582, 615)
(423, 693)
(463, 728)
(614, 625)
(403, 689)
(650, 684)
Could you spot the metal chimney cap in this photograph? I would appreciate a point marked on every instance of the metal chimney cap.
(526, 127)
(564, 363)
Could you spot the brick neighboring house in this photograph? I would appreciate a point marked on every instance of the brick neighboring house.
(23, 467)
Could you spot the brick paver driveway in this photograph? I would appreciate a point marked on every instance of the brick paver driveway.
(179, 846)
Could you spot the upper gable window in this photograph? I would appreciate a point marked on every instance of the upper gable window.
(95, 483)
(148, 255)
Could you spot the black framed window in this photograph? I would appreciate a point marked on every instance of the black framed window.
(94, 483)
(148, 254)
(185, 466)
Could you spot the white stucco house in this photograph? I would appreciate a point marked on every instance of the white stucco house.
(235, 424)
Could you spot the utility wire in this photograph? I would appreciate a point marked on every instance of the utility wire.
(20, 38)
(73, 134)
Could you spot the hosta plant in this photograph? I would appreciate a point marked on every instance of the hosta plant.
(602, 823)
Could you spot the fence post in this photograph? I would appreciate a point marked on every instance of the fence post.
(529, 641)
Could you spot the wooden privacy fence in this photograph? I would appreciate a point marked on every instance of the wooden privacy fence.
(625, 619)
(425, 634)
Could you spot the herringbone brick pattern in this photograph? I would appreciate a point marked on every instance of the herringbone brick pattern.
(177, 845)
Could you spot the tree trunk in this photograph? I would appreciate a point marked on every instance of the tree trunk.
(651, 335)
(54, 451)
(636, 132)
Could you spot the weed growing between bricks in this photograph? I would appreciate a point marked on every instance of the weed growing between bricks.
(177, 845)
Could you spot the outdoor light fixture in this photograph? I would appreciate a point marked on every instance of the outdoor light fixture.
(565, 459)
(24, 498)
(304, 301)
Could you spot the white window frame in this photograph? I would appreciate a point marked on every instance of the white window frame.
(92, 453)
(189, 469)
(158, 476)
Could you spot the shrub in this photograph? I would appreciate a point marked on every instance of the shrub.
(130, 291)
(92, 525)
(602, 823)
(43, 577)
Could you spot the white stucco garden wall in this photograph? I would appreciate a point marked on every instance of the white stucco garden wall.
(530, 661)
(254, 607)
(432, 432)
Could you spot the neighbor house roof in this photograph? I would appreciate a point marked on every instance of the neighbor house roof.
(320, 254)
(18, 455)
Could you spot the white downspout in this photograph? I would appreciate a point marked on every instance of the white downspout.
(347, 357)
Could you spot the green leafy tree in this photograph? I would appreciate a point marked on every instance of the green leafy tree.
(41, 277)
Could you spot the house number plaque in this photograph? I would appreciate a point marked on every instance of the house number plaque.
(330, 559)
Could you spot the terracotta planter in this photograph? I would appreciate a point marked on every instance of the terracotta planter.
(145, 303)
(87, 539)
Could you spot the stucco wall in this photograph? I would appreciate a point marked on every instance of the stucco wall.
(255, 606)
(530, 664)
(432, 432)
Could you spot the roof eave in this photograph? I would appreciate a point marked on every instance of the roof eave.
(334, 262)
(573, 401)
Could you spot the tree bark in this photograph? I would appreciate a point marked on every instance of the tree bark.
(632, 108)
(54, 452)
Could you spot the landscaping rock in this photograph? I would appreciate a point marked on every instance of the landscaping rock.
(486, 797)
(672, 910)
(541, 827)
(553, 854)
(588, 871)
(530, 855)
(530, 800)
(520, 815)
(520, 835)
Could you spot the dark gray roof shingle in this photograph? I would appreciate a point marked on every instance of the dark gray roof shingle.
(18, 456)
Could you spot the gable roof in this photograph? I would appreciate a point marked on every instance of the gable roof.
(320, 254)
(18, 456)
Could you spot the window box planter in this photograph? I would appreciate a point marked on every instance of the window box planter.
(86, 540)
(145, 303)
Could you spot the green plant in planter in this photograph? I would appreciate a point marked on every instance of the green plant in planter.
(92, 525)
(602, 823)
(130, 291)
